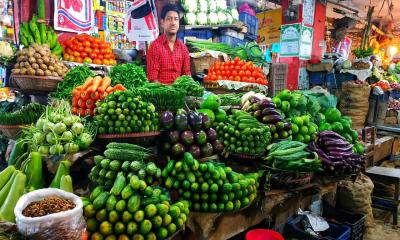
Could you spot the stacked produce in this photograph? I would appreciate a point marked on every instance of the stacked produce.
(12, 186)
(7, 53)
(187, 84)
(122, 112)
(130, 75)
(126, 159)
(242, 133)
(294, 104)
(292, 156)
(189, 132)
(195, 46)
(34, 32)
(211, 107)
(133, 210)
(332, 120)
(262, 108)
(38, 60)
(85, 97)
(25, 115)
(303, 129)
(87, 49)
(336, 154)
(231, 99)
(236, 70)
(250, 52)
(62, 180)
(164, 97)
(58, 131)
(210, 187)
(75, 77)
(203, 12)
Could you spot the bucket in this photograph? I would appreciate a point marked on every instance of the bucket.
(263, 234)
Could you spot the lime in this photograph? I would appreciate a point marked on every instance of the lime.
(131, 228)
(167, 219)
(106, 228)
(162, 233)
(171, 228)
(214, 188)
(304, 130)
(156, 221)
(298, 121)
(119, 228)
(150, 210)
(145, 226)
(139, 216)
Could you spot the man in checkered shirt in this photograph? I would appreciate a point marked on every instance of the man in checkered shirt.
(167, 57)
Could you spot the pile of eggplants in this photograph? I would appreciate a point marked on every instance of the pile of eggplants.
(336, 154)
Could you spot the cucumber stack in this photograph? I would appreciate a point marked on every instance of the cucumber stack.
(126, 159)
(210, 187)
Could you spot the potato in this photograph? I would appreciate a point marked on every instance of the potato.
(35, 66)
(32, 60)
(46, 60)
(60, 72)
(31, 71)
(43, 67)
(23, 71)
(43, 53)
(37, 55)
(55, 74)
(47, 73)
(51, 68)
(16, 65)
(40, 72)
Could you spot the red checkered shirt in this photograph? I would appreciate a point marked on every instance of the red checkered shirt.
(164, 65)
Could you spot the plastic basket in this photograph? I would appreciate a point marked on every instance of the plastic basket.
(335, 231)
(317, 77)
(263, 234)
(251, 22)
(354, 221)
(277, 78)
(197, 33)
(395, 94)
(231, 41)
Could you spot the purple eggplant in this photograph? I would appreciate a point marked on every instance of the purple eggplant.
(257, 114)
(167, 120)
(181, 122)
(271, 119)
(265, 103)
(195, 151)
(211, 134)
(187, 138)
(331, 135)
(173, 137)
(347, 149)
(205, 120)
(218, 146)
(254, 99)
(336, 143)
(270, 111)
(343, 154)
(336, 158)
(195, 121)
(287, 126)
(178, 149)
(207, 150)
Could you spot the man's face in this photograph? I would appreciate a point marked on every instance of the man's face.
(171, 23)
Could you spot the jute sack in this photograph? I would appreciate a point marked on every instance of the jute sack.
(356, 197)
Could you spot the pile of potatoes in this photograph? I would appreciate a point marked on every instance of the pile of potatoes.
(38, 60)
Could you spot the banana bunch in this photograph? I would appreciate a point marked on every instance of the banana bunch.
(34, 32)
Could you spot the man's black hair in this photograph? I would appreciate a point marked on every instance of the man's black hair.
(169, 7)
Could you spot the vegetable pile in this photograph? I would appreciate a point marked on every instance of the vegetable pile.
(126, 159)
(74, 77)
(12, 187)
(130, 75)
(303, 129)
(231, 99)
(202, 45)
(87, 49)
(203, 12)
(236, 70)
(93, 90)
(250, 52)
(291, 156)
(294, 104)
(133, 210)
(122, 112)
(191, 87)
(189, 132)
(211, 107)
(336, 154)
(332, 120)
(58, 131)
(38, 60)
(262, 108)
(164, 97)
(242, 133)
(210, 187)
(25, 115)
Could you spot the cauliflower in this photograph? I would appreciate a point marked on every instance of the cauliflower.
(229, 19)
(203, 6)
(221, 4)
(221, 17)
(202, 18)
(190, 18)
(212, 6)
(190, 6)
(235, 15)
(213, 18)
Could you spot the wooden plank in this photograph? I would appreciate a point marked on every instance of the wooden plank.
(383, 148)
(384, 172)
(396, 147)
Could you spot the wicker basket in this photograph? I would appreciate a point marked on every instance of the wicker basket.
(279, 178)
(214, 86)
(38, 83)
(198, 65)
(11, 131)
(143, 139)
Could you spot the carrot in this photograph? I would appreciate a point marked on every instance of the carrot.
(77, 91)
(109, 89)
(105, 84)
(88, 83)
(119, 87)
(96, 83)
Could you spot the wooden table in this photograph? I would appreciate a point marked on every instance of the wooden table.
(387, 176)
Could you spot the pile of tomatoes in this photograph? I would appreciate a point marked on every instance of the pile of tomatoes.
(236, 70)
(87, 49)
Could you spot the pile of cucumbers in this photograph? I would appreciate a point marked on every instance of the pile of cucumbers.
(210, 187)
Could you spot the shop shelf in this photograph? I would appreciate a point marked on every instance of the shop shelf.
(251, 22)
(231, 41)
(197, 33)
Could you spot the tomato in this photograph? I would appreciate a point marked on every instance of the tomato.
(88, 50)
(100, 56)
(223, 73)
(237, 68)
(84, 54)
(259, 80)
(97, 51)
(97, 61)
(237, 59)
(214, 77)
(87, 60)
(95, 45)
(237, 78)
(245, 79)
(74, 47)
(66, 56)
(234, 73)
(71, 58)
(251, 79)
(102, 45)
(80, 49)
(93, 55)
(248, 73)
(103, 51)
(107, 56)
(231, 78)
(218, 72)
(113, 62)
(86, 44)
(222, 68)
(228, 72)
(76, 54)
(79, 60)
(241, 74)
(81, 112)
(74, 111)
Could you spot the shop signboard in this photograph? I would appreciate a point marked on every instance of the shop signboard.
(306, 42)
(269, 23)
(290, 40)
(141, 24)
(73, 15)
(308, 12)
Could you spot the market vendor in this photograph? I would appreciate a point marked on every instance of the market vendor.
(167, 57)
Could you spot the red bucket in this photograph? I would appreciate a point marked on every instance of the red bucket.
(263, 234)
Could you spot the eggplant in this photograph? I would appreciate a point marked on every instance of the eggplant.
(257, 114)
(336, 143)
(173, 137)
(200, 137)
(265, 103)
(195, 151)
(181, 122)
(336, 158)
(167, 120)
(205, 120)
(207, 150)
(271, 119)
(178, 149)
(218, 146)
(287, 126)
(342, 154)
(195, 121)
(347, 149)
(254, 99)
(187, 138)
(330, 135)
(270, 111)
(211, 134)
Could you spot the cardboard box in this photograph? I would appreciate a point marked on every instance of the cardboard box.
(383, 148)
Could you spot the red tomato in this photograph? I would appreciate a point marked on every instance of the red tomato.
(222, 68)
(241, 74)
(66, 56)
(259, 80)
(237, 78)
(97, 51)
(80, 49)
(76, 54)
(245, 79)
(218, 72)
(228, 72)
(79, 60)
(88, 50)
(84, 54)
(238, 68)
(97, 61)
(214, 77)
(103, 51)
(251, 79)
(237, 59)
(93, 55)
(81, 111)
(99, 56)
(223, 73)
(95, 45)
(234, 73)
(231, 78)
(86, 44)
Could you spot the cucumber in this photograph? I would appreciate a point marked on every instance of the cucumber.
(96, 192)
(119, 185)
(101, 200)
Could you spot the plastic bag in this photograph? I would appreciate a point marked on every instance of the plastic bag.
(62, 225)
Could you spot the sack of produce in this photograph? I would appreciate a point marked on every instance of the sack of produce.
(50, 214)
(354, 102)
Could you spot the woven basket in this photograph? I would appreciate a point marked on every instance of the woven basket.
(288, 179)
(215, 86)
(143, 139)
(11, 131)
(198, 65)
(38, 83)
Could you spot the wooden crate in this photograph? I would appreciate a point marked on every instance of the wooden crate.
(278, 78)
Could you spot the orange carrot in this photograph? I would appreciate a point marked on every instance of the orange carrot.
(119, 87)
(76, 91)
(105, 84)
(109, 89)
(96, 83)
(88, 83)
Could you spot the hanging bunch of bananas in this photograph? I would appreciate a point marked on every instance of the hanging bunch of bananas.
(375, 45)
(34, 32)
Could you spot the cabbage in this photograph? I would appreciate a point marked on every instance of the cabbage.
(190, 6)
(213, 18)
(221, 4)
(203, 6)
(190, 18)
(212, 6)
(346, 64)
(221, 17)
(202, 18)
(235, 15)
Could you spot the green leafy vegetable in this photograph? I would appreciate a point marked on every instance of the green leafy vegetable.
(129, 75)
(191, 87)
